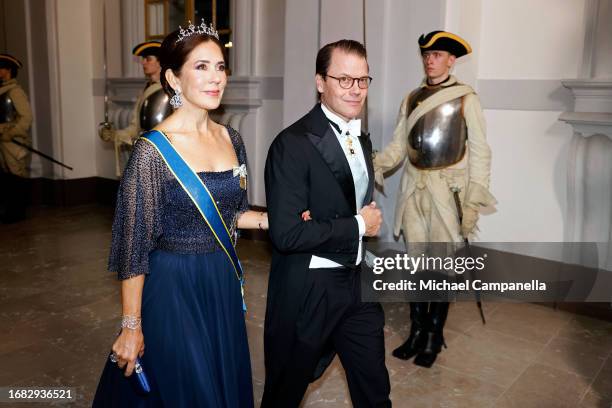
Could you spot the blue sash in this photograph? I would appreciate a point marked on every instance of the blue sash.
(201, 197)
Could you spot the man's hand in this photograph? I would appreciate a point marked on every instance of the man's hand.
(470, 217)
(372, 218)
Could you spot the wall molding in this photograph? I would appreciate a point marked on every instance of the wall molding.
(590, 95)
(524, 94)
(589, 123)
(268, 88)
(589, 171)
(242, 95)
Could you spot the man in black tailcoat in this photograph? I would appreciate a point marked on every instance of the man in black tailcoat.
(319, 183)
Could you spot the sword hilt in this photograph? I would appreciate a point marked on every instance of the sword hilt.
(106, 124)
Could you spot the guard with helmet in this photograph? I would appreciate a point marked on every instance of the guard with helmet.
(152, 105)
(15, 122)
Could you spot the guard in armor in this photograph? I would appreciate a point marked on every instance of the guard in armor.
(152, 105)
(441, 130)
(15, 121)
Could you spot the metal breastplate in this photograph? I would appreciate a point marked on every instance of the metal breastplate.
(438, 138)
(155, 108)
(7, 108)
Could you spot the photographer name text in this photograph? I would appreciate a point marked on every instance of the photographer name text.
(476, 284)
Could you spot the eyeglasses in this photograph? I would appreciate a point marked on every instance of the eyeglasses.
(347, 82)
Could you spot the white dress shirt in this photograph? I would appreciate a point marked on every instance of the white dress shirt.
(357, 164)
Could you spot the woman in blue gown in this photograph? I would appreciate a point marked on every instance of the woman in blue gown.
(180, 293)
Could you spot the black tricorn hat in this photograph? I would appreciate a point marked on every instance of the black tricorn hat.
(147, 48)
(444, 41)
(9, 62)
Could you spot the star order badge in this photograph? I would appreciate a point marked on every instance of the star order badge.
(242, 172)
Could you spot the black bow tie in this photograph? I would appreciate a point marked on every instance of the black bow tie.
(336, 126)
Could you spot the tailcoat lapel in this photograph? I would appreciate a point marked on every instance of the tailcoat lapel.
(324, 139)
(366, 147)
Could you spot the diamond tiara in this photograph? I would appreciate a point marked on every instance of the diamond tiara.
(201, 29)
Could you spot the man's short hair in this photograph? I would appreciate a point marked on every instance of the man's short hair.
(347, 46)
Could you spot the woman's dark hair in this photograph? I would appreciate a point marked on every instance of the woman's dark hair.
(174, 54)
(347, 46)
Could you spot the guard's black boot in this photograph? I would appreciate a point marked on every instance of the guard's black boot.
(13, 206)
(434, 336)
(417, 338)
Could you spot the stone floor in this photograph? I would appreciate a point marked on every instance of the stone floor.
(59, 311)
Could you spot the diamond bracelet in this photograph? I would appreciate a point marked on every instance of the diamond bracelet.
(130, 322)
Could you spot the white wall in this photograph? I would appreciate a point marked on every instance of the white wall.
(603, 56)
(464, 17)
(73, 60)
(546, 44)
(340, 19)
(528, 176)
(529, 147)
(301, 32)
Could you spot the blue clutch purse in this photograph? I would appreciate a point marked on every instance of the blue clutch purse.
(140, 377)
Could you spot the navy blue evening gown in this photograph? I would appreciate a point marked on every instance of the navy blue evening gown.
(196, 351)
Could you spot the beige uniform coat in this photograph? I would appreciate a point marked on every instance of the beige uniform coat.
(13, 158)
(425, 209)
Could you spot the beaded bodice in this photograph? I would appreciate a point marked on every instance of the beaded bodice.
(154, 212)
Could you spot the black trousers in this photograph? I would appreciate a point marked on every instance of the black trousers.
(333, 319)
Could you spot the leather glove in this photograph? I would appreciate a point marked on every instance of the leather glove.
(470, 218)
(107, 134)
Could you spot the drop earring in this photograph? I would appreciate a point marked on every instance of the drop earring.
(176, 101)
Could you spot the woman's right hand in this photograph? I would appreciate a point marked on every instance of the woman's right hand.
(128, 346)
